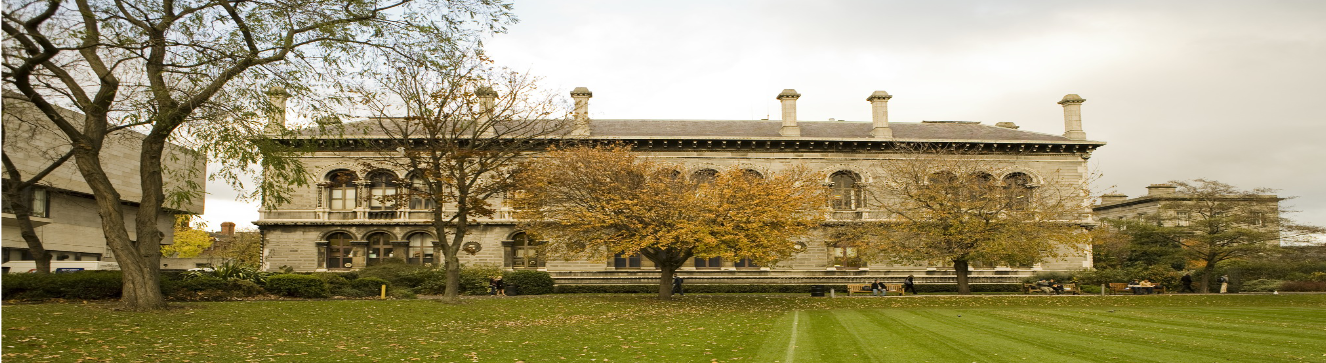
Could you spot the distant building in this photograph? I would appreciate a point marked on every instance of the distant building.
(334, 224)
(63, 207)
(1159, 206)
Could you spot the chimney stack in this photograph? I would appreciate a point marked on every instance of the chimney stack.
(879, 114)
(1073, 117)
(228, 228)
(789, 99)
(487, 101)
(1155, 190)
(1112, 198)
(276, 121)
(581, 96)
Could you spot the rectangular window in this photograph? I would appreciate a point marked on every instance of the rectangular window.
(745, 263)
(712, 262)
(342, 199)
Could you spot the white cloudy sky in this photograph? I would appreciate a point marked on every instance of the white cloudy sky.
(1227, 90)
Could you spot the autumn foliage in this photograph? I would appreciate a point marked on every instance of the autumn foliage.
(595, 202)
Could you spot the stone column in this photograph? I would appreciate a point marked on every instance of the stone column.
(1073, 117)
(789, 100)
(879, 114)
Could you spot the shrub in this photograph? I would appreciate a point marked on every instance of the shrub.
(395, 271)
(1303, 286)
(529, 282)
(1058, 276)
(293, 285)
(474, 279)
(334, 280)
(431, 281)
(83, 285)
(401, 293)
(369, 285)
(1262, 285)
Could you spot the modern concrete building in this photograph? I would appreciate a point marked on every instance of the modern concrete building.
(334, 224)
(64, 210)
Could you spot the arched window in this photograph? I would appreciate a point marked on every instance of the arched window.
(382, 188)
(339, 253)
(704, 176)
(379, 248)
(1019, 190)
(420, 196)
(420, 250)
(341, 189)
(846, 191)
(525, 252)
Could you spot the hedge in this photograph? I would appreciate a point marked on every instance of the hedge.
(766, 289)
(82, 285)
(528, 282)
(293, 285)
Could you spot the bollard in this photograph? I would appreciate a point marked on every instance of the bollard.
(1102, 290)
(831, 295)
(384, 292)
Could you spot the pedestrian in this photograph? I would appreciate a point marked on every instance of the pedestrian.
(499, 286)
(492, 285)
(1224, 283)
(676, 285)
(909, 284)
(1187, 283)
(878, 288)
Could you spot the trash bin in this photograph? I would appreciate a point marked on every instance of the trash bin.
(817, 290)
(512, 290)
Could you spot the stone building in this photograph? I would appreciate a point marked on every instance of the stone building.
(64, 210)
(1162, 202)
(336, 225)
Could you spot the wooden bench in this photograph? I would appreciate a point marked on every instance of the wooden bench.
(1119, 288)
(865, 288)
(1069, 288)
(851, 288)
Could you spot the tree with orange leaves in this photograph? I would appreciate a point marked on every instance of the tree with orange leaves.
(601, 201)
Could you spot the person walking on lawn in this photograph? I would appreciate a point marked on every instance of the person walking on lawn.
(1224, 283)
(909, 284)
(1187, 283)
(676, 285)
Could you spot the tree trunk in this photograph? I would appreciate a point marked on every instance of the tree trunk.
(1207, 273)
(960, 269)
(665, 282)
(449, 254)
(23, 214)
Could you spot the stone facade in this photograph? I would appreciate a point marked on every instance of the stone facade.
(70, 228)
(1152, 206)
(297, 234)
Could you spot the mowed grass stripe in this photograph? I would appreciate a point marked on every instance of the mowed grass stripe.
(1168, 322)
(1135, 332)
(1067, 345)
(1108, 341)
(997, 340)
(1304, 318)
(1258, 324)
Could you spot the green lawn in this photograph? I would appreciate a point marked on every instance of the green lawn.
(636, 328)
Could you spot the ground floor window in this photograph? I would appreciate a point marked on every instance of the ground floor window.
(420, 250)
(379, 248)
(845, 257)
(622, 260)
(710, 263)
(745, 263)
(339, 253)
(525, 252)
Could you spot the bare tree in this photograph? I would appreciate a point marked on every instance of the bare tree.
(947, 205)
(457, 127)
(174, 69)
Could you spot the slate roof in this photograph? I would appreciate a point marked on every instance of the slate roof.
(765, 129)
(768, 130)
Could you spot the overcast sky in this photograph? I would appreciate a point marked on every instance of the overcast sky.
(1233, 91)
